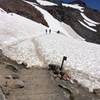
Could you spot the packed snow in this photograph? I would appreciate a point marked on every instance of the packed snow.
(46, 3)
(74, 6)
(23, 52)
(16, 33)
(72, 32)
(25, 41)
(88, 19)
(88, 27)
(83, 57)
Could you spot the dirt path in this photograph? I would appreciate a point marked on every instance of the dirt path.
(38, 86)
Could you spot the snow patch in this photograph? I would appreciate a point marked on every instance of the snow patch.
(53, 23)
(74, 6)
(90, 28)
(88, 19)
(23, 52)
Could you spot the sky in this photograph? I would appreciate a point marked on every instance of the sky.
(91, 3)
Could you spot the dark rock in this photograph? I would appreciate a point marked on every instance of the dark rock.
(54, 68)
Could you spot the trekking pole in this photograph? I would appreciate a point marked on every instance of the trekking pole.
(64, 58)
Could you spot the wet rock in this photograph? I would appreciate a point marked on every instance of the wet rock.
(12, 68)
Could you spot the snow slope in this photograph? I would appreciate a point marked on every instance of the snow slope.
(74, 6)
(19, 37)
(46, 3)
(71, 32)
(83, 57)
(16, 33)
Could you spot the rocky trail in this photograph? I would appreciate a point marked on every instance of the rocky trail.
(19, 83)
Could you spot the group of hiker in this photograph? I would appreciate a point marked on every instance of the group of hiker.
(48, 31)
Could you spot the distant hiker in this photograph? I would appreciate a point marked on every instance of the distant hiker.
(46, 31)
(49, 31)
(58, 31)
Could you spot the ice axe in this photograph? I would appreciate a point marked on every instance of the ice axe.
(64, 58)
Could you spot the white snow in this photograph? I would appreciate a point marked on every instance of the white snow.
(16, 33)
(53, 23)
(89, 23)
(72, 32)
(23, 52)
(88, 19)
(19, 37)
(83, 57)
(46, 3)
(90, 28)
(74, 6)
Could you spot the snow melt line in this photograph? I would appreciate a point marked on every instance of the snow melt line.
(88, 19)
(46, 3)
(90, 28)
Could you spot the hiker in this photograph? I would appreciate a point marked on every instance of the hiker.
(49, 31)
(46, 31)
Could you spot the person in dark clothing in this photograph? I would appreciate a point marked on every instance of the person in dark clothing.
(49, 31)
(46, 31)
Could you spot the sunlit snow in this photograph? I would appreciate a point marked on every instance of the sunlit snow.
(25, 41)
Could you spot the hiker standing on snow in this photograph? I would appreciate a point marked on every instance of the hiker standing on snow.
(46, 31)
(49, 31)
